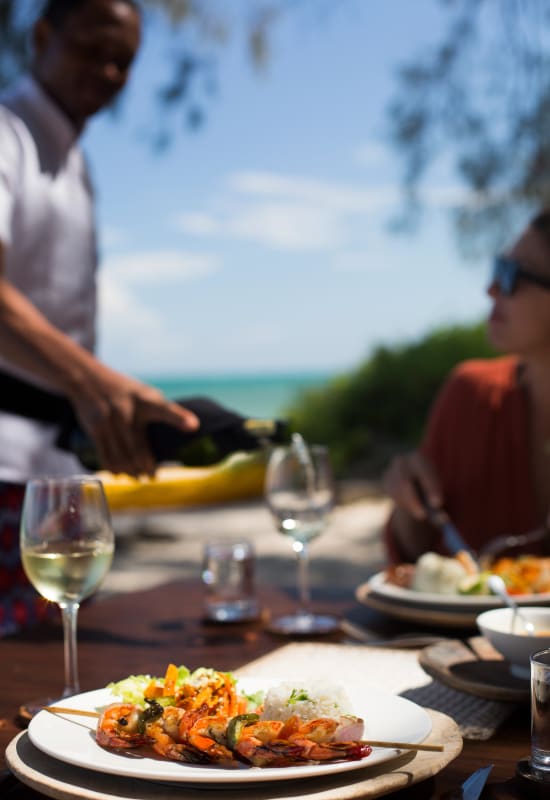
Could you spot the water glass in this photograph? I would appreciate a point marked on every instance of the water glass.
(540, 715)
(228, 577)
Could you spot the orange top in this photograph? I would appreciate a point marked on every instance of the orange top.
(477, 439)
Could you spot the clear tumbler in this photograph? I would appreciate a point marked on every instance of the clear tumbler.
(540, 716)
(228, 577)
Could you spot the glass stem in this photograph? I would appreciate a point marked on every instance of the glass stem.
(69, 614)
(304, 592)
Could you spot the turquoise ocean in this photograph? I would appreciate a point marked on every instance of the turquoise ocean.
(266, 396)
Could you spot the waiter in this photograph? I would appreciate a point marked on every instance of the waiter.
(82, 54)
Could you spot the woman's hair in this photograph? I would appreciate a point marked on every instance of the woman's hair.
(57, 11)
(541, 223)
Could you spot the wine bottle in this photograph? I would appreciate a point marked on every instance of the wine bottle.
(228, 430)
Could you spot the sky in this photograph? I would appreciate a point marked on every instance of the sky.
(261, 241)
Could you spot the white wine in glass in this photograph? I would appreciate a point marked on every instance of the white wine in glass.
(299, 491)
(67, 546)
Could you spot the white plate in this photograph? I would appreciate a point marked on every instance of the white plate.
(457, 611)
(477, 602)
(72, 739)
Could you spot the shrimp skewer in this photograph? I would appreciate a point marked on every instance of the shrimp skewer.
(277, 744)
(172, 732)
(200, 737)
(164, 737)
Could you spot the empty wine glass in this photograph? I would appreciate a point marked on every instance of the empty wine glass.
(67, 545)
(299, 491)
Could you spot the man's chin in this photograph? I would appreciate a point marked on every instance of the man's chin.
(94, 103)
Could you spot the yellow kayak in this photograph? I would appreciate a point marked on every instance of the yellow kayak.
(240, 476)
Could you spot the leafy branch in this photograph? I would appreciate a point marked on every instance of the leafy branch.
(481, 97)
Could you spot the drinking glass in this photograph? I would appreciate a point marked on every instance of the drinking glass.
(228, 578)
(67, 545)
(540, 716)
(299, 491)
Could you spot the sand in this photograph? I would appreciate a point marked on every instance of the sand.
(154, 548)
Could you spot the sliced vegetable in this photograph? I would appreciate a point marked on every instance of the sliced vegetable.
(132, 689)
(236, 724)
(474, 584)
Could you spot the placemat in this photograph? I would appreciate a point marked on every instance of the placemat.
(65, 782)
(395, 671)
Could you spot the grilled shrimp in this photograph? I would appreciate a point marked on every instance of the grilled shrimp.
(259, 743)
(123, 724)
(208, 735)
(163, 734)
(190, 736)
(277, 744)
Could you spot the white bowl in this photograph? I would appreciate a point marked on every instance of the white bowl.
(516, 645)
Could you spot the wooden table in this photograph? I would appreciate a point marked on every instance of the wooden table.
(140, 632)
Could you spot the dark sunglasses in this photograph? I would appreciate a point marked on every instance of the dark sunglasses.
(507, 272)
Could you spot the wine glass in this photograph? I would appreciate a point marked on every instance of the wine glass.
(67, 545)
(299, 491)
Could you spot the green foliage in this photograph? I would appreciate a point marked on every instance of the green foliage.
(367, 416)
(478, 98)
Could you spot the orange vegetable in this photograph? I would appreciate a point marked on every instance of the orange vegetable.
(170, 679)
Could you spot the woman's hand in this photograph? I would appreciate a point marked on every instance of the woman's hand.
(408, 479)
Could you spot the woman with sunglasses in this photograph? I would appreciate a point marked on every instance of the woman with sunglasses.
(485, 455)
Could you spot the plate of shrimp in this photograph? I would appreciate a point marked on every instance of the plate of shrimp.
(219, 740)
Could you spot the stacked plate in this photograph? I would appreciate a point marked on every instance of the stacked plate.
(457, 611)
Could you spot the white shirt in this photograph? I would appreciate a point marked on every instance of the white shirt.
(48, 232)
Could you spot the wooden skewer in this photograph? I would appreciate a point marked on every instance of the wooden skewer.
(433, 748)
(78, 712)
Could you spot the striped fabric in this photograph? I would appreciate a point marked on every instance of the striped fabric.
(20, 605)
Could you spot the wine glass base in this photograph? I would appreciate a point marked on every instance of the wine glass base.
(304, 624)
(29, 709)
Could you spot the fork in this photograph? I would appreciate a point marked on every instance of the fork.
(502, 543)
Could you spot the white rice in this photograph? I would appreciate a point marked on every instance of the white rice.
(438, 574)
(307, 700)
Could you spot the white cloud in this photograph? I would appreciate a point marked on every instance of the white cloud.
(164, 265)
(137, 336)
(297, 213)
(341, 197)
(120, 308)
(283, 212)
(346, 198)
(288, 226)
(134, 332)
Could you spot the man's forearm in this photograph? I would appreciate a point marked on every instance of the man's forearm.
(29, 340)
